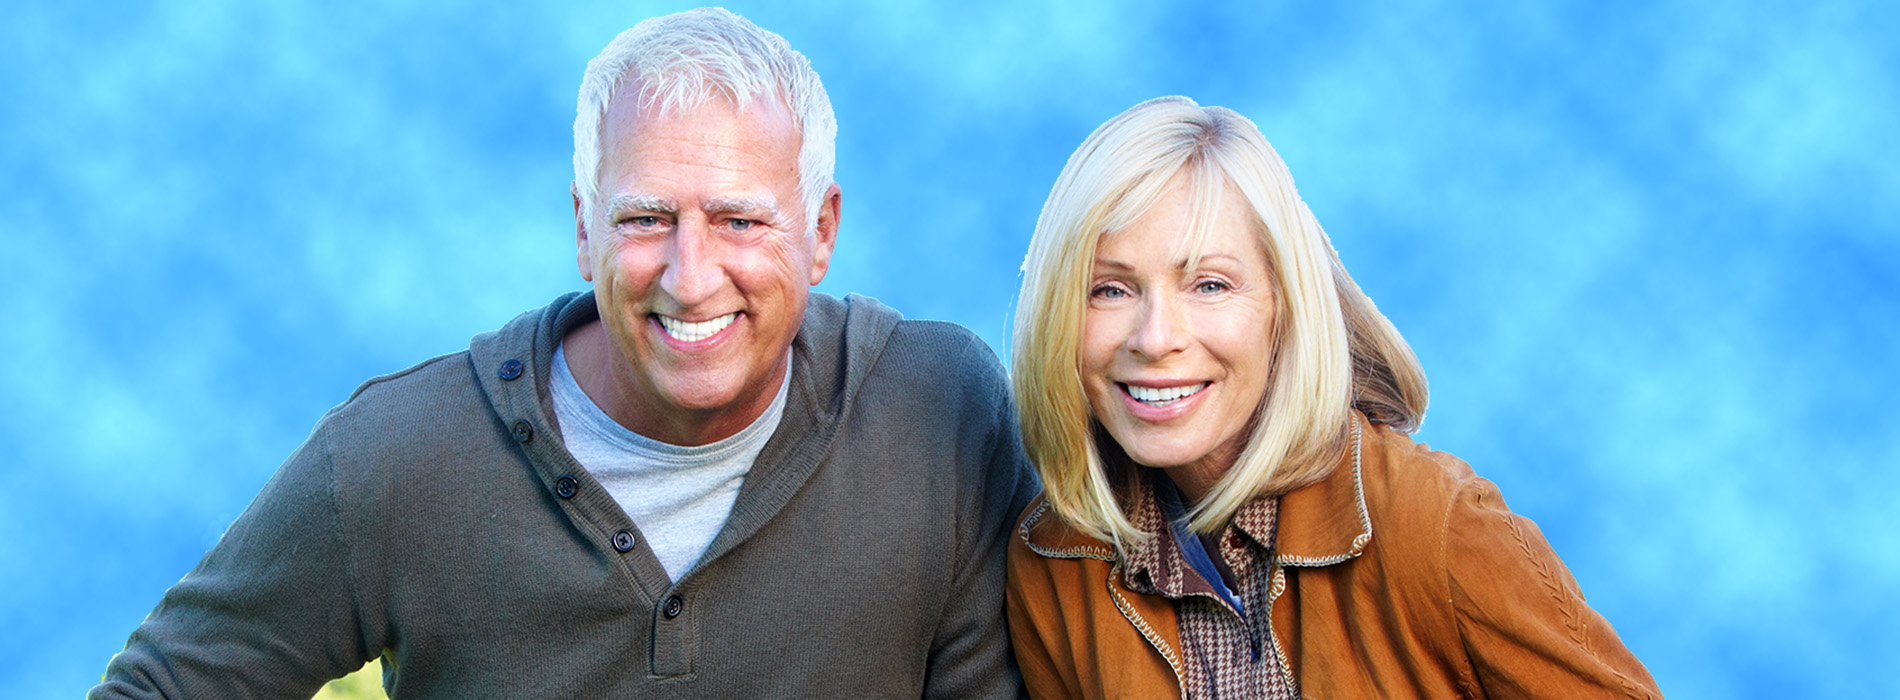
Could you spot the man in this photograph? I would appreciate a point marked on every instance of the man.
(699, 480)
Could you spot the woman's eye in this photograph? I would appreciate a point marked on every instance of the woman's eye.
(1210, 287)
(1109, 291)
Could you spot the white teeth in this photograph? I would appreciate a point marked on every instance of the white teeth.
(695, 332)
(1162, 397)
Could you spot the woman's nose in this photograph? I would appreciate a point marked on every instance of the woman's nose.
(1160, 332)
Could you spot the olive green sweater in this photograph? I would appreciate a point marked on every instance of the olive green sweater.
(436, 520)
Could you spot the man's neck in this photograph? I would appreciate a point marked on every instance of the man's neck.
(605, 377)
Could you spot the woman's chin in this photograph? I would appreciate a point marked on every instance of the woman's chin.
(1164, 456)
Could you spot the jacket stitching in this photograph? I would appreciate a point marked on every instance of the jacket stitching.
(1147, 631)
(1273, 597)
(1630, 690)
(1550, 585)
(1571, 621)
(1075, 552)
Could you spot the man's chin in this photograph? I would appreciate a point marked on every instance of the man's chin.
(706, 395)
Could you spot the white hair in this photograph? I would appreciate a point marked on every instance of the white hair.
(683, 60)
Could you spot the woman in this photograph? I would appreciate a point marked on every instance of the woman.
(1232, 506)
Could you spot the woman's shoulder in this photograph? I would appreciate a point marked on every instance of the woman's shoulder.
(1399, 472)
(1392, 493)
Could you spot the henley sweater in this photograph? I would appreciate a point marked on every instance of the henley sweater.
(436, 520)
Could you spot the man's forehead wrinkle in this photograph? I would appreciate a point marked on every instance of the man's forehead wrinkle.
(697, 141)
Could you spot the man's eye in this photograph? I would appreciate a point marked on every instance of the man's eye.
(641, 221)
(742, 224)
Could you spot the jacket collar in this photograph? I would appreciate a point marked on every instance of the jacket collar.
(1326, 523)
(1321, 524)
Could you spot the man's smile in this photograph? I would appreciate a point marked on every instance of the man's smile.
(693, 332)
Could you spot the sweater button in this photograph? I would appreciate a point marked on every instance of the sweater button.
(511, 370)
(623, 541)
(566, 487)
(673, 607)
(523, 431)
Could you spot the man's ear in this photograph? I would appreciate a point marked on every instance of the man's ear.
(583, 255)
(826, 233)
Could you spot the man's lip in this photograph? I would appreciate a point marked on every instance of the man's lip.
(653, 319)
(684, 319)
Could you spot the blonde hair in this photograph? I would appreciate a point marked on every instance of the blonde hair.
(1332, 352)
(686, 59)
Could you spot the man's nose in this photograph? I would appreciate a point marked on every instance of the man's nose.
(692, 273)
(1160, 331)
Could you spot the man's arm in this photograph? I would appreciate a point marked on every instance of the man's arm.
(271, 611)
(971, 656)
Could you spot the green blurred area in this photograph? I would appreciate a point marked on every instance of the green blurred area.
(365, 684)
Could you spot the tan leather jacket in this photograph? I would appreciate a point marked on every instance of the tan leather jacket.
(1401, 575)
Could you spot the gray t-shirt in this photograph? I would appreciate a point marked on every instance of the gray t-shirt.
(678, 496)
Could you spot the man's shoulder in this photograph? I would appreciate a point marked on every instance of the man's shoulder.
(447, 399)
(439, 390)
(455, 384)
(942, 341)
(943, 359)
(870, 342)
(414, 382)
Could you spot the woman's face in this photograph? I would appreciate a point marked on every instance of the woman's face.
(1175, 359)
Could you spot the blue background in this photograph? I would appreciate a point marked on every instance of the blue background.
(1647, 253)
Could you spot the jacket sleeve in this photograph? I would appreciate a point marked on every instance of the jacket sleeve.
(970, 655)
(1526, 628)
(270, 612)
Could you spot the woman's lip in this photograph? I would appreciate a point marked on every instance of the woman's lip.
(1161, 383)
(1160, 414)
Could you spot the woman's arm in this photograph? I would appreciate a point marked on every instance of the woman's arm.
(1524, 622)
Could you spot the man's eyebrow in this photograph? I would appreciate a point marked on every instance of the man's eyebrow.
(763, 208)
(629, 203)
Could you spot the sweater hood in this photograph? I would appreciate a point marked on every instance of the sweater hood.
(838, 343)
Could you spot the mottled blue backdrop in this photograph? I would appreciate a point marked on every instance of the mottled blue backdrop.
(1648, 253)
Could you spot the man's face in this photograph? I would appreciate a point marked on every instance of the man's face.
(701, 260)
